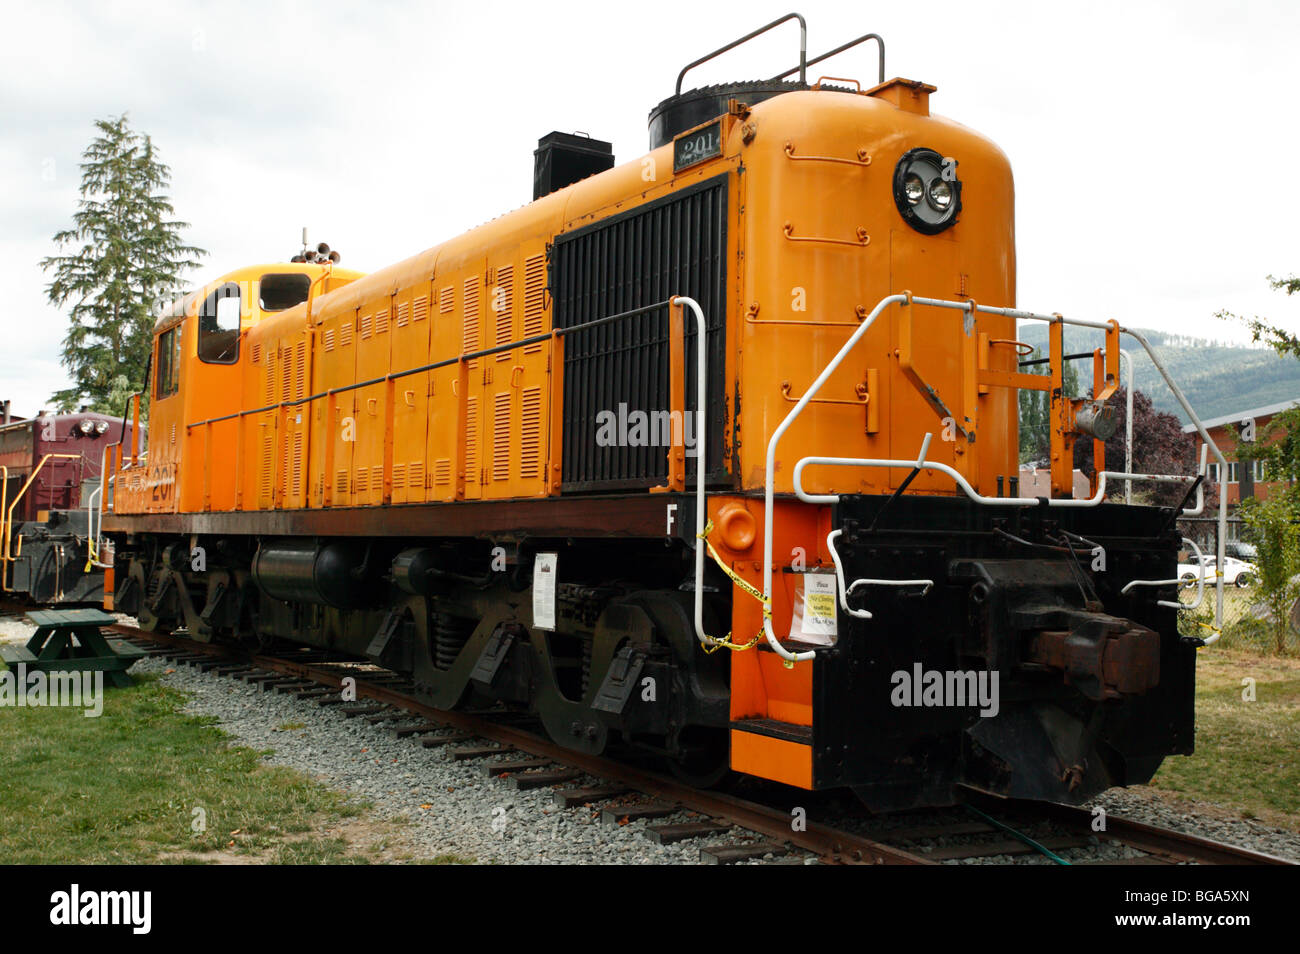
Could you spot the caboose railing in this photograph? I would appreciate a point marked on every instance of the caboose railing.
(906, 300)
(7, 508)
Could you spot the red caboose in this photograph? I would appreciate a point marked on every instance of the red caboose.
(50, 469)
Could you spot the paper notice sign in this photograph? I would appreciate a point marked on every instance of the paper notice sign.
(544, 571)
(819, 606)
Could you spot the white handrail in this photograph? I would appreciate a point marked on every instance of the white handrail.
(968, 307)
(965, 486)
(701, 456)
(845, 590)
(1200, 585)
(769, 490)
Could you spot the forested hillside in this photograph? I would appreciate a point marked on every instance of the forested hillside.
(1217, 378)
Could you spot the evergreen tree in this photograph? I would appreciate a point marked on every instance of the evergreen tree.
(125, 258)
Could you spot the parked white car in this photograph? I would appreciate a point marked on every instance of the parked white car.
(1235, 572)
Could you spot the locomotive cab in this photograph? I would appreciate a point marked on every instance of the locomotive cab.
(199, 368)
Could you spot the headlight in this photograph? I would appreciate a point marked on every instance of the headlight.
(940, 195)
(101, 427)
(86, 427)
(924, 174)
(913, 188)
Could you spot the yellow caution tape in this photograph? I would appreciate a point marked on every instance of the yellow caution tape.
(725, 641)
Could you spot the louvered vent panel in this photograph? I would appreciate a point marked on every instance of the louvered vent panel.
(421, 309)
(297, 465)
(403, 314)
(446, 300)
(268, 390)
(534, 300)
(501, 436)
(471, 329)
(471, 440)
(377, 479)
(503, 307)
(361, 483)
(530, 433)
(329, 340)
(286, 466)
(399, 475)
(381, 321)
(286, 377)
(267, 473)
(257, 353)
(442, 471)
(673, 246)
(300, 371)
(341, 483)
(414, 474)
(345, 333)
(367, 326)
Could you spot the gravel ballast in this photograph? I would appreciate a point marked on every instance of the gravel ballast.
(467, 813)
(446, 807)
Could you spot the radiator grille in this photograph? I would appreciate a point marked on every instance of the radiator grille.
(676, 245)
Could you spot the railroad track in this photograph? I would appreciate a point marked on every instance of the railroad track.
(985, 827)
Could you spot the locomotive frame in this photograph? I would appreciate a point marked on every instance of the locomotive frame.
(408, 465)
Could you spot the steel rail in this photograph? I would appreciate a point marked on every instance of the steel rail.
(824, 841)
(830, 844)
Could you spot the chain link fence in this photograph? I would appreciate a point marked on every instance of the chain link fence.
(1248, 622)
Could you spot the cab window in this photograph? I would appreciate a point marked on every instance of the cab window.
(219, 326)
(167, 377)
(278, 292)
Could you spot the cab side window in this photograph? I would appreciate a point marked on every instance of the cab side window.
(167, 377)
(219, 326)
(278, 292)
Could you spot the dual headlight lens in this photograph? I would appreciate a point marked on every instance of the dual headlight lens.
(86, 427)
(939, 195)
(927, 190)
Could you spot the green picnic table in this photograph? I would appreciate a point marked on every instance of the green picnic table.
(71, 641)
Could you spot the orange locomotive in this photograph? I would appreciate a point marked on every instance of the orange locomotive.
(569, 461)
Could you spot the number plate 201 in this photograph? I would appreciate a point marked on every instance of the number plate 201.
(694, 147)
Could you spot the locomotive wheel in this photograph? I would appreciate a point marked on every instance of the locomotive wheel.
(704, 759)
(701, 753)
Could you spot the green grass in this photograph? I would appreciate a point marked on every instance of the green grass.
(1247, 753)
(123, 788)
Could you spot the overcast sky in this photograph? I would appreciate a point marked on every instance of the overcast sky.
(1154, 145)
